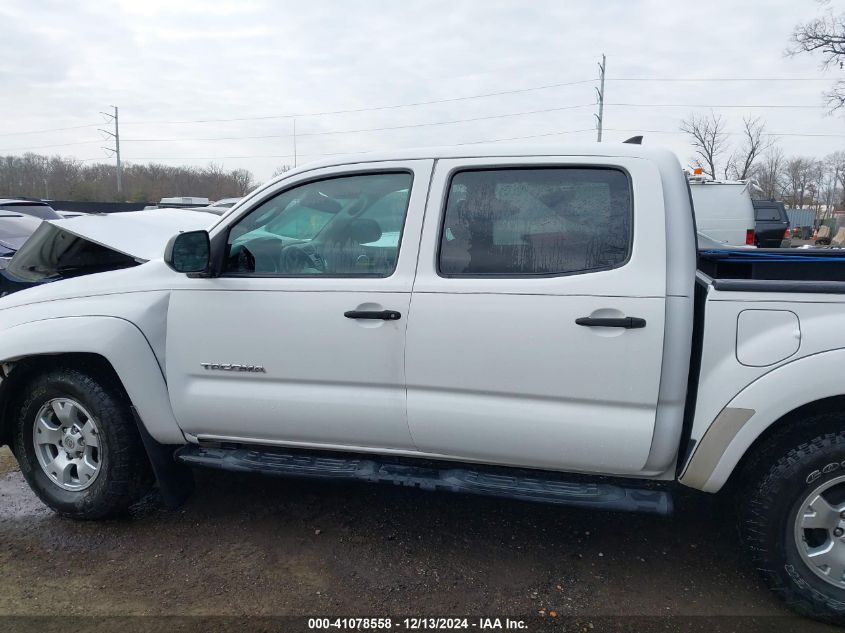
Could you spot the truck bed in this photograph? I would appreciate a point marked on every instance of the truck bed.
(775, 270)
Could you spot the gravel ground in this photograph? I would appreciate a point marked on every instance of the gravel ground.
(250, 546)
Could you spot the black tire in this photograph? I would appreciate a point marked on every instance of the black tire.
(125, 475)
(772, 492)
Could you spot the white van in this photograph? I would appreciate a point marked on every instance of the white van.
(723, 210)
(183, 202)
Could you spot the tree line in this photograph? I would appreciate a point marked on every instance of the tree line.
(802, 182)
(61, 178)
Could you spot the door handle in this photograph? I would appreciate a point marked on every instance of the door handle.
(625, 322)
(384, 315)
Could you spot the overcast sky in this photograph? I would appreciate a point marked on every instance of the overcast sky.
(62, 63)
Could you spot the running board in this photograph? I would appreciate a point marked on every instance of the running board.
(539, 486)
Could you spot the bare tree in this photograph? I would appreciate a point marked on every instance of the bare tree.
(768, 173)
(243, 179)
(756, 141)
(801, 179)
(281, 169)
(832, 183)
(60, 178)
(824, 35)
(709, 140)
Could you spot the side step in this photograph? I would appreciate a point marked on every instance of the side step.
(527, 485)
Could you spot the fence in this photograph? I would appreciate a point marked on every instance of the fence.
(96, 207)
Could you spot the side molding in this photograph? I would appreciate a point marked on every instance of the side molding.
(117, 340)
(755, 409)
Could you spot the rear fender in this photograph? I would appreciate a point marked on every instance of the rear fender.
(753, 410)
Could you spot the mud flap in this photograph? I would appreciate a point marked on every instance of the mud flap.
(175, 480)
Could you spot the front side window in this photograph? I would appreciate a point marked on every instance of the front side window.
(547, 221)
(345, 226)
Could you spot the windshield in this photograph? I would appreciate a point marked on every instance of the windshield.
(15, 229)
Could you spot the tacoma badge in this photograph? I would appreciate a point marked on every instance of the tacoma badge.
(233, 367)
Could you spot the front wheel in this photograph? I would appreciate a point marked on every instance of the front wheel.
(78, 445)
(793, 521)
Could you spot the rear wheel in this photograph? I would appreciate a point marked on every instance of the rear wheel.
(792, 510)
(78, 444)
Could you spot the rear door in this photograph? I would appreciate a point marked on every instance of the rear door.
(514, 255)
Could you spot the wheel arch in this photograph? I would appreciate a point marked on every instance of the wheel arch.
(108, 344)
(764, 412)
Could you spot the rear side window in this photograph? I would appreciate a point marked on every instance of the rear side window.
(549, 221)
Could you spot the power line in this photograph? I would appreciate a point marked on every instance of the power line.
(489, 140)
(24, 149)
(711, 105)
(694, 79)
(55, 129)
(371, 109)
(679, 132)
(469, 97)
(432, 102)
(453, 121)
(300, 134)
(356, 131)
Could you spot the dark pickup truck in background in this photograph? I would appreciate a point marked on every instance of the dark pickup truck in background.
(771, 224)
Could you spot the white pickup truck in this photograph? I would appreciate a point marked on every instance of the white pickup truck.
(533, 323)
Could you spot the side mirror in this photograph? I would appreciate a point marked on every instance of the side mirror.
(189, 252)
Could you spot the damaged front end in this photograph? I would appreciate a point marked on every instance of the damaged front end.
(52, 254)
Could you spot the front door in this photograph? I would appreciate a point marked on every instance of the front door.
(498, 369)
(301, 340)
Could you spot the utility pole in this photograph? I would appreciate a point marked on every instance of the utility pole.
(116, 136)
(600, 95)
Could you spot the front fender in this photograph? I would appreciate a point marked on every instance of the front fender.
(755, 409)
(117, 340)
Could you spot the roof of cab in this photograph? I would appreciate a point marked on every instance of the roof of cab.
(492, 150)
